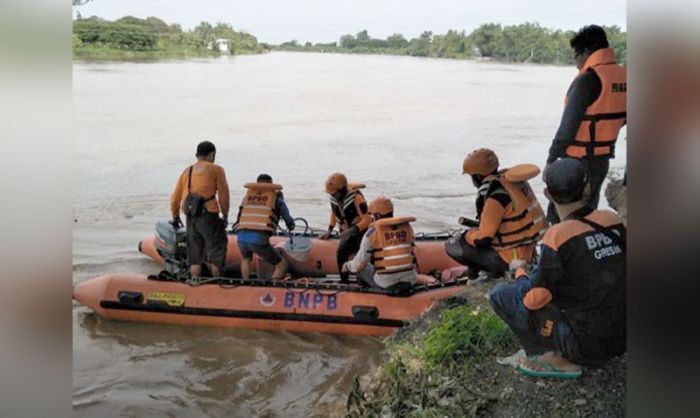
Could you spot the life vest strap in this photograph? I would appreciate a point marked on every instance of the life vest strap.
(518, 243)
(577, 143)
(605, 116)
(519, 230)
(515, 218)
(395, 269)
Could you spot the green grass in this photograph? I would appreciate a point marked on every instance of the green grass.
(431, 374)
(465, 332)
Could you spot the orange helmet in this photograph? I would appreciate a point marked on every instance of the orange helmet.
(482, 161)
(381, 206)
(335, 182)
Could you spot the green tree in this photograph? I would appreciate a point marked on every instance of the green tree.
(487, 38)
(397, 41)
(420, 47)
(618, 41)
(348, 41)
(362, 37)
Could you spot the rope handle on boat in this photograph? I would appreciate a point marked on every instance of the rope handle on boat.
(318, 291)
(290, 234)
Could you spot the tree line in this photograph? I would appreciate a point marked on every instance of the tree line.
(132, 37)
(526, 42)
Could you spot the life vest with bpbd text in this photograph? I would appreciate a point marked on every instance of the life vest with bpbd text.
(346, 211)
(258, 207)
(597, 134)
(524, 221)
(392, 243)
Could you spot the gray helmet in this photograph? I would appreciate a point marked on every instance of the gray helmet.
(566, 180)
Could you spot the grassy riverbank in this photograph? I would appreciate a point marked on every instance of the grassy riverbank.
(100, 53)
(444, 364)
(523, 43)
(131, 38)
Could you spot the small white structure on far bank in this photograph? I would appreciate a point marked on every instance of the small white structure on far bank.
(222, 45)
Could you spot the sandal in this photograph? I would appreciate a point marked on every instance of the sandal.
(549, 370)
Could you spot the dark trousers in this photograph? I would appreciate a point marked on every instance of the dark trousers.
(476, 258)
(596, 171)
(507, 301)
(349, 244)
(206, 240)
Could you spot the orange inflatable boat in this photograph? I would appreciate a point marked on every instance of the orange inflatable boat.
(305, 305)
(308, 255)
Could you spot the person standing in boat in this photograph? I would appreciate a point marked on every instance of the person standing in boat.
(202, 194)
(258, 216)
(349, 211)
(571, 310)
(385, 258)
(511, 220)
(595, 109)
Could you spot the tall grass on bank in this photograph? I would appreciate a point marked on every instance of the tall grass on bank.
(429, 375)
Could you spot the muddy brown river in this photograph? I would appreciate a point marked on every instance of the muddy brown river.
(401, 125)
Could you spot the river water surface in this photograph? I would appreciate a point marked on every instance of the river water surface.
(401, 125)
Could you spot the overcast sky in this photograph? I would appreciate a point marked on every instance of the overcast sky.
(276, 21)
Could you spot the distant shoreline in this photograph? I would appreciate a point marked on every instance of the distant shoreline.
(107, 54)
(156, 56)
(474, 59)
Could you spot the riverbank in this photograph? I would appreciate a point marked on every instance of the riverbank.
(99, 53)
(469, 381)
(525, 43)
(445, 364)
(130, 38)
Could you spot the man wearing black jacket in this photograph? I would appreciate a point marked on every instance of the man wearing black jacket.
(594, 112)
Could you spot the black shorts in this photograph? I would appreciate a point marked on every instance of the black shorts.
(206, 240)
(475, 258)
(265, 251)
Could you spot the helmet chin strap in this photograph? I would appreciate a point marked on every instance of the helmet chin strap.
(477, 180)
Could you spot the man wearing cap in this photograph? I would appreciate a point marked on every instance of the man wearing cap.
(196, 195)
(571, 310)
(385, 259)
(510, 219)
(349, 211)
(595, 110)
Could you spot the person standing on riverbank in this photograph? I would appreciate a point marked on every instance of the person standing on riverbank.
(349, 210)
(201, 193)
(594, 112)
(262, 207)
(511, 220)
(571, 310)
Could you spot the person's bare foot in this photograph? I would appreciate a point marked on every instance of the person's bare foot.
(555, 360)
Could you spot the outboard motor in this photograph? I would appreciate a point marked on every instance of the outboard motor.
(171, 242)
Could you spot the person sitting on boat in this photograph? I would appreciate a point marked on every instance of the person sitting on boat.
(385, 259)
(571, 310)
(196, 194)
(258, 216)
(511, 220)
(349, 211)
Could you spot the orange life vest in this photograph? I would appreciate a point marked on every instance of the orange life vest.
(345, 211)
(605, 117)
(258, 207)
(524, 221)
(392, 243)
